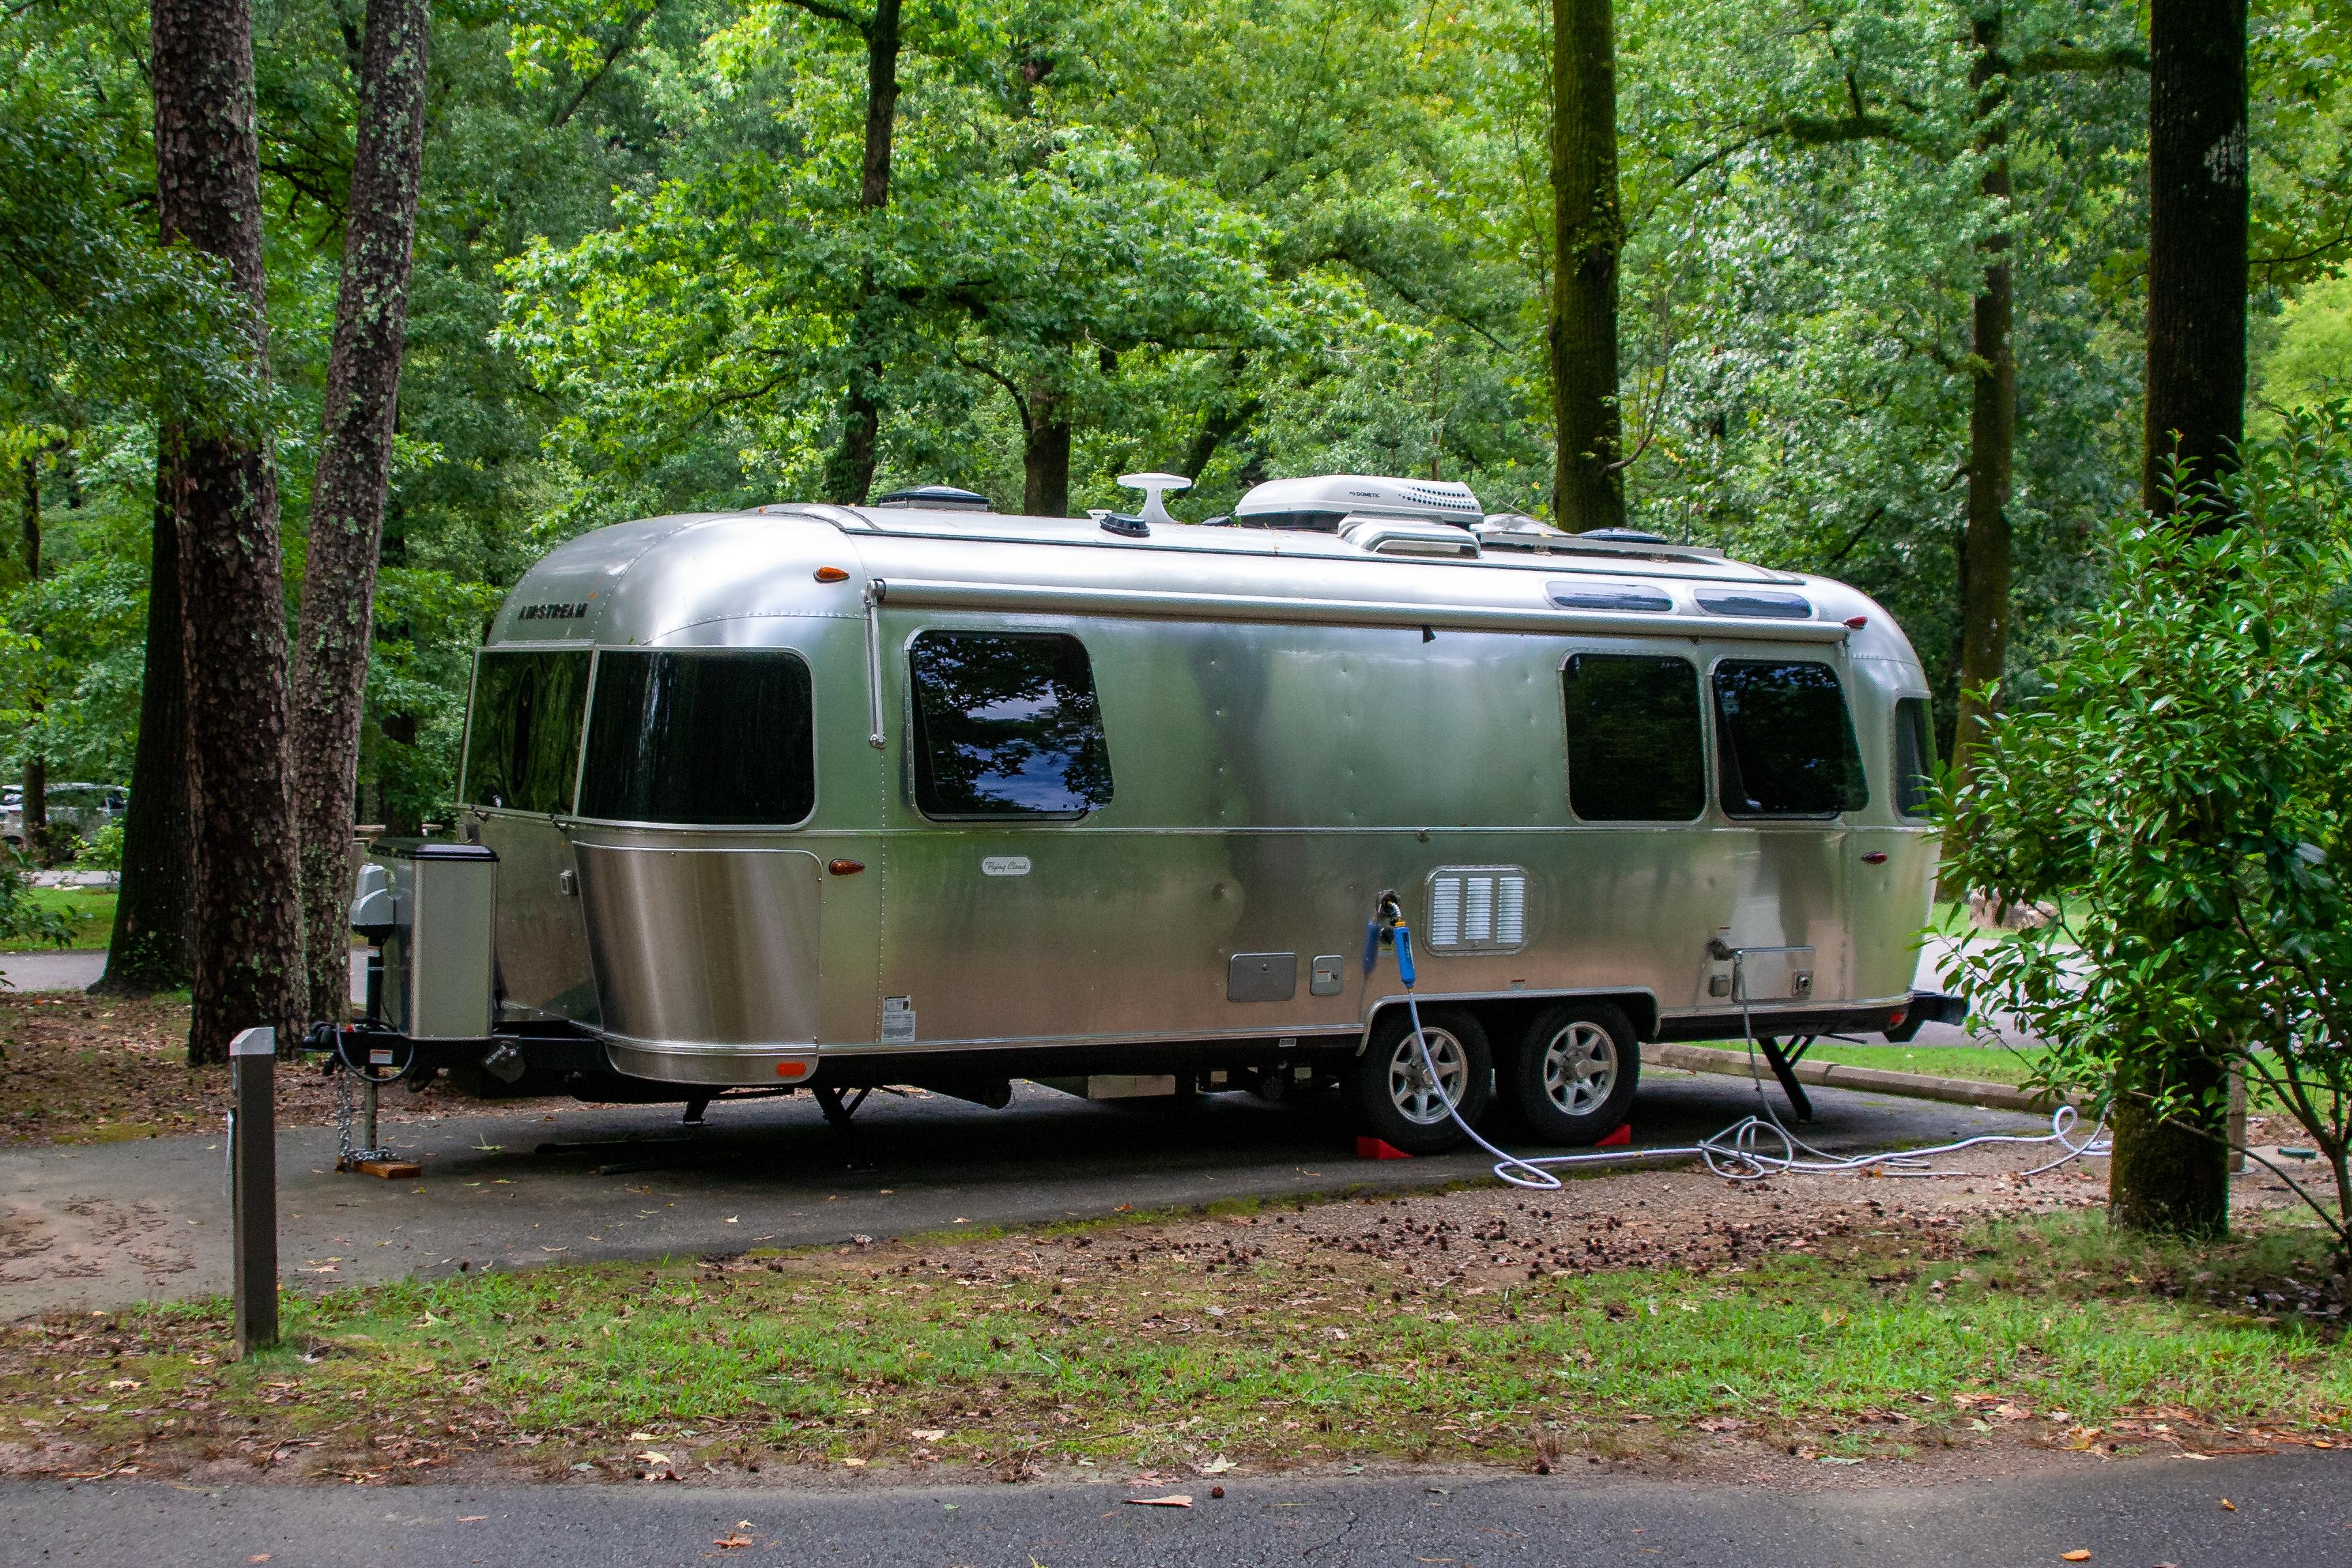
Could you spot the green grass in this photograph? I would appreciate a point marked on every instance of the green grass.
(91, 911)
(1883, 1349)
(1980, 1063)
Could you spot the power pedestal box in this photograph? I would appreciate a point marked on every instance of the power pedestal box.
(431, 906)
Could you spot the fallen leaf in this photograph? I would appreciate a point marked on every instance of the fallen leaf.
(729, 1542)
(1174, 1500)
(650, 1458)
(1216, 1466)
(855, 1464)
(2077, 1555)
(2228, 1504)
(472, 1517)
(928, 1434)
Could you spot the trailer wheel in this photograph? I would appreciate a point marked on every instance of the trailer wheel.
(1394, 1098)
(1571, 1080)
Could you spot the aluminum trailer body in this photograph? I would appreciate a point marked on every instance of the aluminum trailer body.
(815, 794)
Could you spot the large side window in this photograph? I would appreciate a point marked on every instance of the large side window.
(718, 738)
(1785, 742)
(522, 740)
(1914, 757)
(1006, 725)
(1636, 749)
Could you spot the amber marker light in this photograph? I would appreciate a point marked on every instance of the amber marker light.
(831, 575)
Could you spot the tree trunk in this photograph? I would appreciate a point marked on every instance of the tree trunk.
(849, 476)
(2165, 1177)
(1587, 229)
(354, 475)
(2196, 247)
(36, 767)
(248, 935)
(149, 951)
(2172, 1175)
(1045, 453)
(1992, 426)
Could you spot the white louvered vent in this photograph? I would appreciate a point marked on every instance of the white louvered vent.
(1477, 909)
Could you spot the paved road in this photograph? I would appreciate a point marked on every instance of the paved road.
(79, 970)
(103, 1224)
(2293, 1510)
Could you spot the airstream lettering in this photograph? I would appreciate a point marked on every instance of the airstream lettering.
(831, 797)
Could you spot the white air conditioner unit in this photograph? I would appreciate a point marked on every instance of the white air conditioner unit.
(1322, 503)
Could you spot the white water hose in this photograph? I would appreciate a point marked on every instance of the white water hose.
(1743, 1151)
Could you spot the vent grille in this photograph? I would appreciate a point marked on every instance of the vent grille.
(1477, 909)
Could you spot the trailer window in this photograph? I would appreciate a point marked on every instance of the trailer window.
(1914, 757)
(1636, 752)
(1785, 742)
(1006, 724)
(522, 740)
(711, 738)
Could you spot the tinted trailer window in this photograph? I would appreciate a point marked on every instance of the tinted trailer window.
(708, 738)
(1915, 758)
(1636, 746)
(1784, 742)
(1006, 724)
(522, 739)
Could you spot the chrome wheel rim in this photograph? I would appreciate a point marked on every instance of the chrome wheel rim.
(1419, 1099)
(1580, 1068)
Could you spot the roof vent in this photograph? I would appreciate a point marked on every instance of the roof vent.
(936, 498)
(1408, 536)
(1516, 531)
(1322, 503)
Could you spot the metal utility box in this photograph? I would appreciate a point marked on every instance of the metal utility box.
(436, 904)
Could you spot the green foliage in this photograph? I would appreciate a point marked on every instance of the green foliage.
(103, 851)
(26, 920)
(2185, 780)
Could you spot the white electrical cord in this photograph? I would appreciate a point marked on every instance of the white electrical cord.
(1734, 1153)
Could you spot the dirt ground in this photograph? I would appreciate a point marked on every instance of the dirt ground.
(87, 1070)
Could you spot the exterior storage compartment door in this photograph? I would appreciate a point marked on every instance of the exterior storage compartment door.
(705, 959)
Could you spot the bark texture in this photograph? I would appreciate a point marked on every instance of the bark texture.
(36, 767)
(1045, 453)
(1588, 229)
(2171, 1176)
(149, 949)
(1985, 548)
(2167, 1176)
(347, 504)
(248, 938)
(849, 476)
(2197, 245)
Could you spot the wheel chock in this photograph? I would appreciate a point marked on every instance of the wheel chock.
(1620, 1139)
(1379, 1149)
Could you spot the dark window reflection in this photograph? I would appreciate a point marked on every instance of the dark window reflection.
(1006, 725)
(715, 738)
(1785, 742)
(1637, 751)
(522, 742)
(1914, 757)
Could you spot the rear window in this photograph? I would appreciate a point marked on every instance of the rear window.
(1784, 740)
(1006, 724)
(1637, 751)
(1914, 757)
(718, 739)
(522, 737)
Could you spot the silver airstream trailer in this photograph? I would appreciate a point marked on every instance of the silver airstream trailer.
(829, 797)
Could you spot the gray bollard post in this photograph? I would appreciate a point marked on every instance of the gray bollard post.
(253, 1162)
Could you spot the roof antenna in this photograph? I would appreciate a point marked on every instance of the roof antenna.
(1153, 487)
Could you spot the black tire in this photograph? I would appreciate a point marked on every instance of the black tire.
(1390, 1095)
(1570, 1080)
